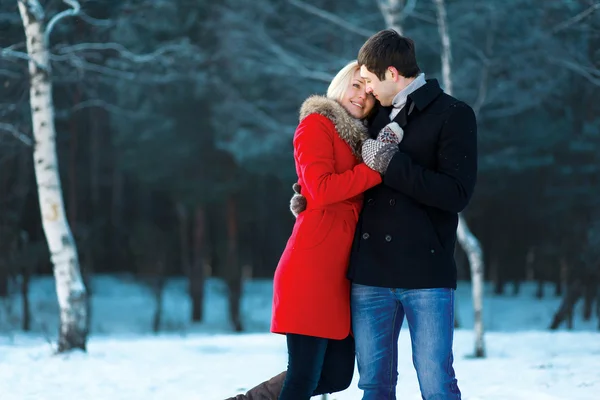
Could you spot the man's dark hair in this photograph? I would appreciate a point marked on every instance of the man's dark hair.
(388, 48)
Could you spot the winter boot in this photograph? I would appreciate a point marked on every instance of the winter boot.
(268, 390)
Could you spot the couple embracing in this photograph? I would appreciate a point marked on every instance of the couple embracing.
(385, 162)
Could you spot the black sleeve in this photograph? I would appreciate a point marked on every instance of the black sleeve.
(451, 186)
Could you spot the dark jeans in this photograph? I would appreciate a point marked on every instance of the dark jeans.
(317, 366)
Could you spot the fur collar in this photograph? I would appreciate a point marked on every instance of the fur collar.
(350, 129)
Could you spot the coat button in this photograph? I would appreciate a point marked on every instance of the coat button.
(370, 202)
(365, 236)
(388, 238)
(432, 251)
(392, 202)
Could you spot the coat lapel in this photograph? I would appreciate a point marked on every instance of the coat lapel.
(416, 101)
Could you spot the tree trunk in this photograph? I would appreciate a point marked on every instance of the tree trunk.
(160, 280)
(158, 299)
(589, 294)
(4, 275)
(562, 280)
(72, 298)
(516, 287)
(393, 11)
(117, 190)
(26, 317)
(446, 56)
(475, 255)
(499, 280)
(73, 151)
(565, 311)
(598, 304)
(234, 275)
(539, 293)
(117, 208)
(196, 274)
(467, 240)
(530, 265)
(184, 237)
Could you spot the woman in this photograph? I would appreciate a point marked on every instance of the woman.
(311, 301)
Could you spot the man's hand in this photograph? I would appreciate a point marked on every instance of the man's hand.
(377, 155)
(297, 202)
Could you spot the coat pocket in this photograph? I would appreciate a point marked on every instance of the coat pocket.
(312, 228)
(435, 237)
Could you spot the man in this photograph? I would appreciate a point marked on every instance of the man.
(402, 261)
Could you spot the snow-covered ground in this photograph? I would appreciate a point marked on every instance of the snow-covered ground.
(208, 362)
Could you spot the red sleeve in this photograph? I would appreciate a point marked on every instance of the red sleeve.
(313, 149)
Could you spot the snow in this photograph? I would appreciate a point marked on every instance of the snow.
(208, 362)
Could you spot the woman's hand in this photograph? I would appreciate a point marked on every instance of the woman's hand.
(297, 202)
(377, 155)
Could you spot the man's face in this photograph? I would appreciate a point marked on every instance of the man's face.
(384, 90)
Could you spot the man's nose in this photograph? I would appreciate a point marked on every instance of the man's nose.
(369, 89)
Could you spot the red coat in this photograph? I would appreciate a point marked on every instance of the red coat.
(311, 294)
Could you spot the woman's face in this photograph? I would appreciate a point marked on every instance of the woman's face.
(356, 100)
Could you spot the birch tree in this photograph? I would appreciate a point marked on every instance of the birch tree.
(466, 239)
(395, 11)
(71, 292)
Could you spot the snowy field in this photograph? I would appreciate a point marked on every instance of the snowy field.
(208, 362)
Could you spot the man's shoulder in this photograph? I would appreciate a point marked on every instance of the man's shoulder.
(447, 104)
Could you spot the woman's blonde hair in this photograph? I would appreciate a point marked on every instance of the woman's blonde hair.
(339, 84)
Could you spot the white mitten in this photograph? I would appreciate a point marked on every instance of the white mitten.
(391, 133)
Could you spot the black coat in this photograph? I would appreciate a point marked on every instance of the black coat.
(406, 232)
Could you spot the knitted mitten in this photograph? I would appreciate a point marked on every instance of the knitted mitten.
(391, 133)
(297, 202)
(377, 155)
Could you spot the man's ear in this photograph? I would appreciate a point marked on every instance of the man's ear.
(394, 75)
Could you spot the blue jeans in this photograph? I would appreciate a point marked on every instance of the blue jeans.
(377, 315)
(317, 366)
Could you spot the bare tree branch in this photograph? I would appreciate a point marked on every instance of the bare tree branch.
(575, 19)
(185, 46)
(291, 61)
(485, 72)
(446, 56)
(394, 13)
(104, 23)
(10, 18)
(251, 108)
(9, 53)
(75, 9)
(509, 111)
(409, 7)
(334, 19)
(106, 106)
(10, 74)
(591, 74)
(7, 108)
(16, 133)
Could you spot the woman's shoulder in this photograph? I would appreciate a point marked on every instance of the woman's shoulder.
(323, 106)
(315, 127)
